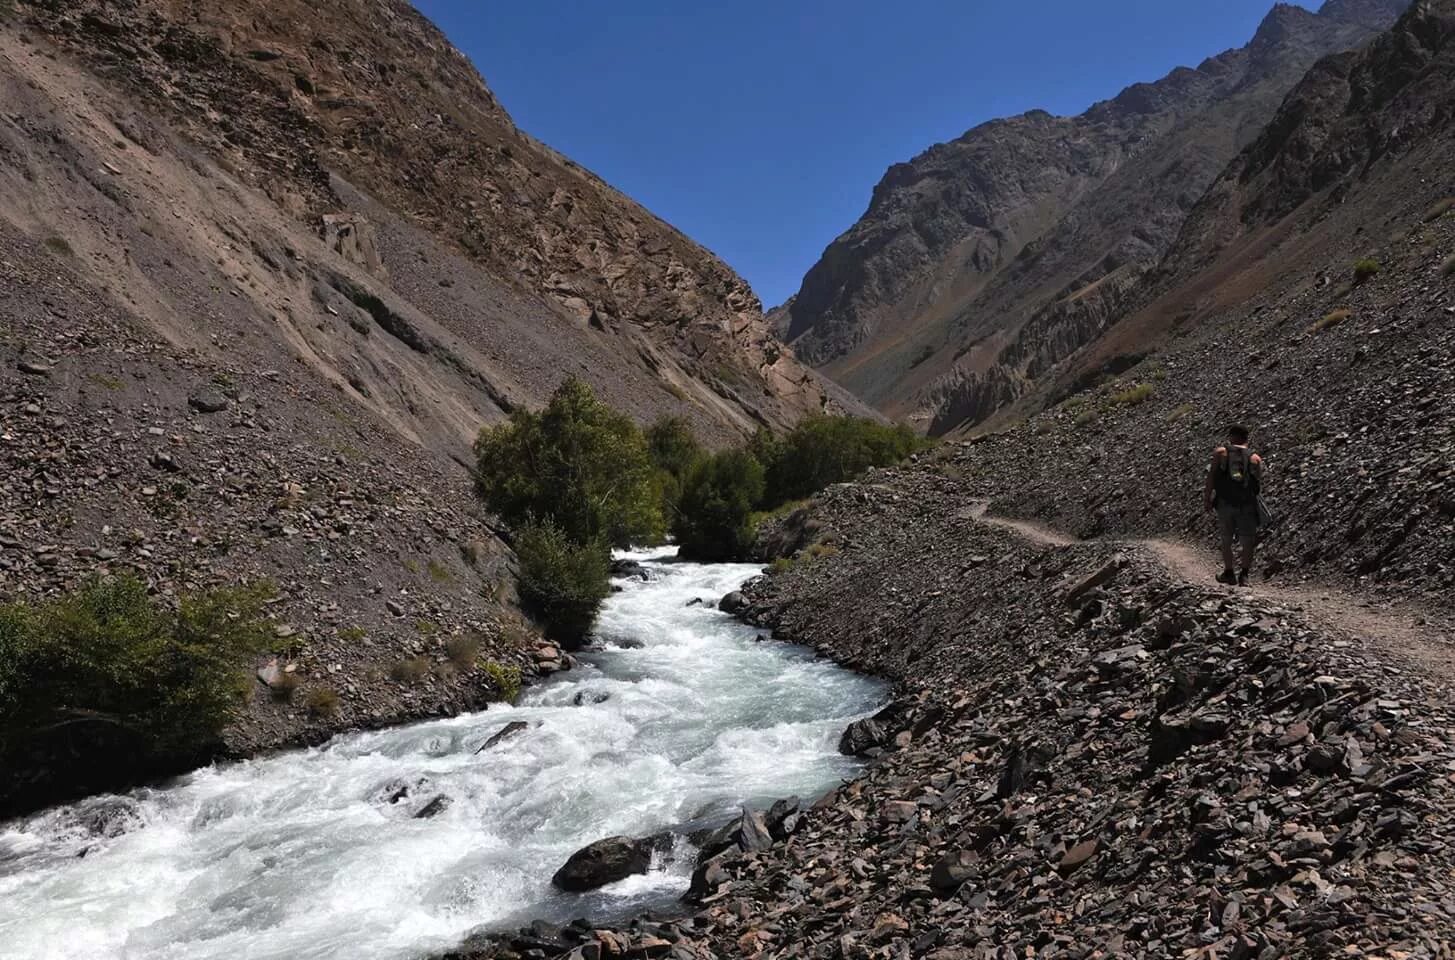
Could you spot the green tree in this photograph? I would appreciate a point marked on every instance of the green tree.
(562, 582)
(715, 521)
(824, 450)
(577, 463)
(673, 449)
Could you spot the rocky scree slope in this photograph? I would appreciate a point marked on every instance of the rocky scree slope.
(1091, 759)
(984, 261)
(494, 263)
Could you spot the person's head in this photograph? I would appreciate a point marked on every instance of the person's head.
(1238, 435)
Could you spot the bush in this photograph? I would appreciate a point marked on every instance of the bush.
(1365, 270)
(59, 245)
(1141, 393)
(824, 450)
(579, 464)
(505, 677)
(283, 689)
(110, 673)
(462, 651)
(1439, 209)
(322, 702)
(562, 583)
(718, 499)
(410, 671)
(1181, 411)
(1332, 319)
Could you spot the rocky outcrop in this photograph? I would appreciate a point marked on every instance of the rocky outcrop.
(605, 861)
(970, 240)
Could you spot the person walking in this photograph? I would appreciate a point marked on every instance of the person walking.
(1234, 479)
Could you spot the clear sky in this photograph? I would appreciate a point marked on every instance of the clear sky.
(759, 127)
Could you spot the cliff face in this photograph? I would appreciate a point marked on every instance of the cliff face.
(963, 246)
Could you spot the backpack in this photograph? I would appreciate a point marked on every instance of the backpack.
(1237, 480)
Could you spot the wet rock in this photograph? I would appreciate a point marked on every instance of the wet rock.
(861, 738)
(734, 603)
(437, 805)
(782, 818)
(511, 729)
(605, 861)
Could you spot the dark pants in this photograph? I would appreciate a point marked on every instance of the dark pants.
(1240, 522)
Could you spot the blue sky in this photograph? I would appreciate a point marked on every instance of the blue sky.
(759, 127)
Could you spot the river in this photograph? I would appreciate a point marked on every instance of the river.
(302, 854)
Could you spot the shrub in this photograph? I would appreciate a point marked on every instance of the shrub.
(352, 634)
(322, 702)
(1365, 270)
(1141, 393)
(505, 678)
(1085, 417)
(578, 463)
(439, 573)
(781, 565)
(562, 583)
(718, 497)
(1181, 411)
(1332, 319)
(59, 245)
(824, 450)
(410, 671)
(462, 651)
(107, 668)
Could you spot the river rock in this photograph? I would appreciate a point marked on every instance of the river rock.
(734, 603)
(861, 738)
(511, 729)
(605, 861)
(437, 805)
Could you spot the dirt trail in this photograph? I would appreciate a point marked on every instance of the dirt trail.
(1400, 632)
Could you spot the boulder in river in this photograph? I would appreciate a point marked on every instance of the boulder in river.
(861, 738)
(504, 733)
(734, 603)
(605, 861)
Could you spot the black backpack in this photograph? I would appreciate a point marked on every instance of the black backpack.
(1237, 480)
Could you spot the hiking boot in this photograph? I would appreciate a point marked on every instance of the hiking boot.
(1228, 577)
(1242, 578)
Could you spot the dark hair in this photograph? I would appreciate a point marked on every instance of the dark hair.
(1238, 433)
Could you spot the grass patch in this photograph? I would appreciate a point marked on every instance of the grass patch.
(1180, 412)
(1365, 270)
(426, 628)
(439, 573)
(1438, 209)
(462, 651)
(59, 245)
(353, 634)
(818, 551)
(322, 702)
(411, 564)
(106, 382)
(1139, 394)
(1331, 319)
(410, 671)
(1085, 417)
(505, 678)
(781, 565)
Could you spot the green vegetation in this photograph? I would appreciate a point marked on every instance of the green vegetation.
(1332, 319)
(439, 573)
(1365, 270)
(825, 450)
(285, 687)
(674, 451)
(562, 582)
(59, 245)
(719, 495)
(505, 677)
(1181, 412)
(579, 464)
(109, 670)
(1141, 393)
(352, 634)
(100, 379)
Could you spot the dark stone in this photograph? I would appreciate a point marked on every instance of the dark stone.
(782, 818)
(207, 400)
(860, 737)
(605, 861)
(953, 869)
(734, 603)
(436, 806)
(511, 729)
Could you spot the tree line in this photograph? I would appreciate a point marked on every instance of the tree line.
(577, 479)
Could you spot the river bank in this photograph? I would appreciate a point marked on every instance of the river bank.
(400, 842)
(1097, 757)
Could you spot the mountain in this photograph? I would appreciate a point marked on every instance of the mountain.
(984, 261)
(266, 268)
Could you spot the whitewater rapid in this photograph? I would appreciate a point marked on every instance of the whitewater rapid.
(303, 855)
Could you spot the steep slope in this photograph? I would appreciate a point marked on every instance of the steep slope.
(1039, 223)
(365, 128)
(265, 269)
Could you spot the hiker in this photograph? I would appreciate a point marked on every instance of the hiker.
(1233, 481)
